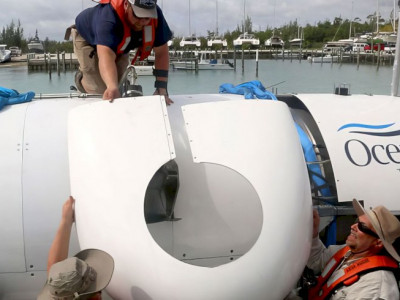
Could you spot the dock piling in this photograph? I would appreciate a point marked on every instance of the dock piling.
(58, 63)
(257, 63)
(242, 60)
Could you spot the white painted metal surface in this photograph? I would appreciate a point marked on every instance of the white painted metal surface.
(45, 176)
(11, 135)
(34, 185)
(365, 161)
(116, 149)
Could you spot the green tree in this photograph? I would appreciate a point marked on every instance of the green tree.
(12, 34)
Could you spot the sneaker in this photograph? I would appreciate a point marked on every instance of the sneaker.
(78, 81)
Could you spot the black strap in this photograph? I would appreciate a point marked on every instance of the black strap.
(160, 73)
(160, 84)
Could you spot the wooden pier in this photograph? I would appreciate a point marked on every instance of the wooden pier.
(48, 62)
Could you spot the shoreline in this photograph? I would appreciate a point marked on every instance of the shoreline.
(16, 61)
(13, 64)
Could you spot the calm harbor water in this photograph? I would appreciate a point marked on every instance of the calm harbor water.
(288, 76)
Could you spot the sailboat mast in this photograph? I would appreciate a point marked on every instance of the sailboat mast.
(394, 16)
(274, 17)
(377, 17)
(244, 14)
(190, 30)
(351, 19)
(216, 22)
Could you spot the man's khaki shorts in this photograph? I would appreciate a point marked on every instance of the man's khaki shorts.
(89, 64)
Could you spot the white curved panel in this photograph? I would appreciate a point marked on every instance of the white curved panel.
(257, 139)
(114, 151)
(212, 223)
(12, 257)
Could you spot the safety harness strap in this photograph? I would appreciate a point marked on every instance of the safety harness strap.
(349, 275)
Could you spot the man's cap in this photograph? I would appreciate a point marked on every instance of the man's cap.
(78, 277)
(386, 225)
(144, 8)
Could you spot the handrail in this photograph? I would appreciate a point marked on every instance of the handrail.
(66, 95)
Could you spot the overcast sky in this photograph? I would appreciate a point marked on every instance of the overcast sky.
(51, 17)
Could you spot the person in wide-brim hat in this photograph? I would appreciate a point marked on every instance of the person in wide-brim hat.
(386, 225)
(79, 277)
(82, 276)
(365, 267)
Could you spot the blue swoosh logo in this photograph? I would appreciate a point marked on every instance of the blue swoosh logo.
(357, 125)
(374, 127)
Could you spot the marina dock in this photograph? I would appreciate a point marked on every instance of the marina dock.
(59, 61)
(67, 61)
(357, 57)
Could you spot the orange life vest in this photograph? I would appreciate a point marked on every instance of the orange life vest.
(148, 32)
(349, 275)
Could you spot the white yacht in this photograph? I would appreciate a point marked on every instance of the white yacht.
(207, 60)
(5, 55)
(297, 42)
(35, 46)
(216, 40)
(246, 38)
(324, 59)
(15, 51)
(190, 41)
(275, 42)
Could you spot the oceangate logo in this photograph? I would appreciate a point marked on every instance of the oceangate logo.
(361, 154)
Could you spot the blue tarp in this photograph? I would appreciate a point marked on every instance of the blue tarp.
(250, 90)
(9, 97)
(310, 156)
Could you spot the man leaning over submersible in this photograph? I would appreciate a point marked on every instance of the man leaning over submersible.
(104, 34)
(366, 267)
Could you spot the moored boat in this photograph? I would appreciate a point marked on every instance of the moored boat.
(217, 40)
(324, 59)
(190, 41)
(15, 51)
(206, 60)
(35, 46)
(5, 54)
(274, 42)
(246, 38)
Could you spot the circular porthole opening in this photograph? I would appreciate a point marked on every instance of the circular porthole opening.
(202, 214)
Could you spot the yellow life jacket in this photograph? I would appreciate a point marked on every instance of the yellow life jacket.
(347, 276)
(148, 32)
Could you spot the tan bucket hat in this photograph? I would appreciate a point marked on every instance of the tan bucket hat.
(78, 277)
(386, 225)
